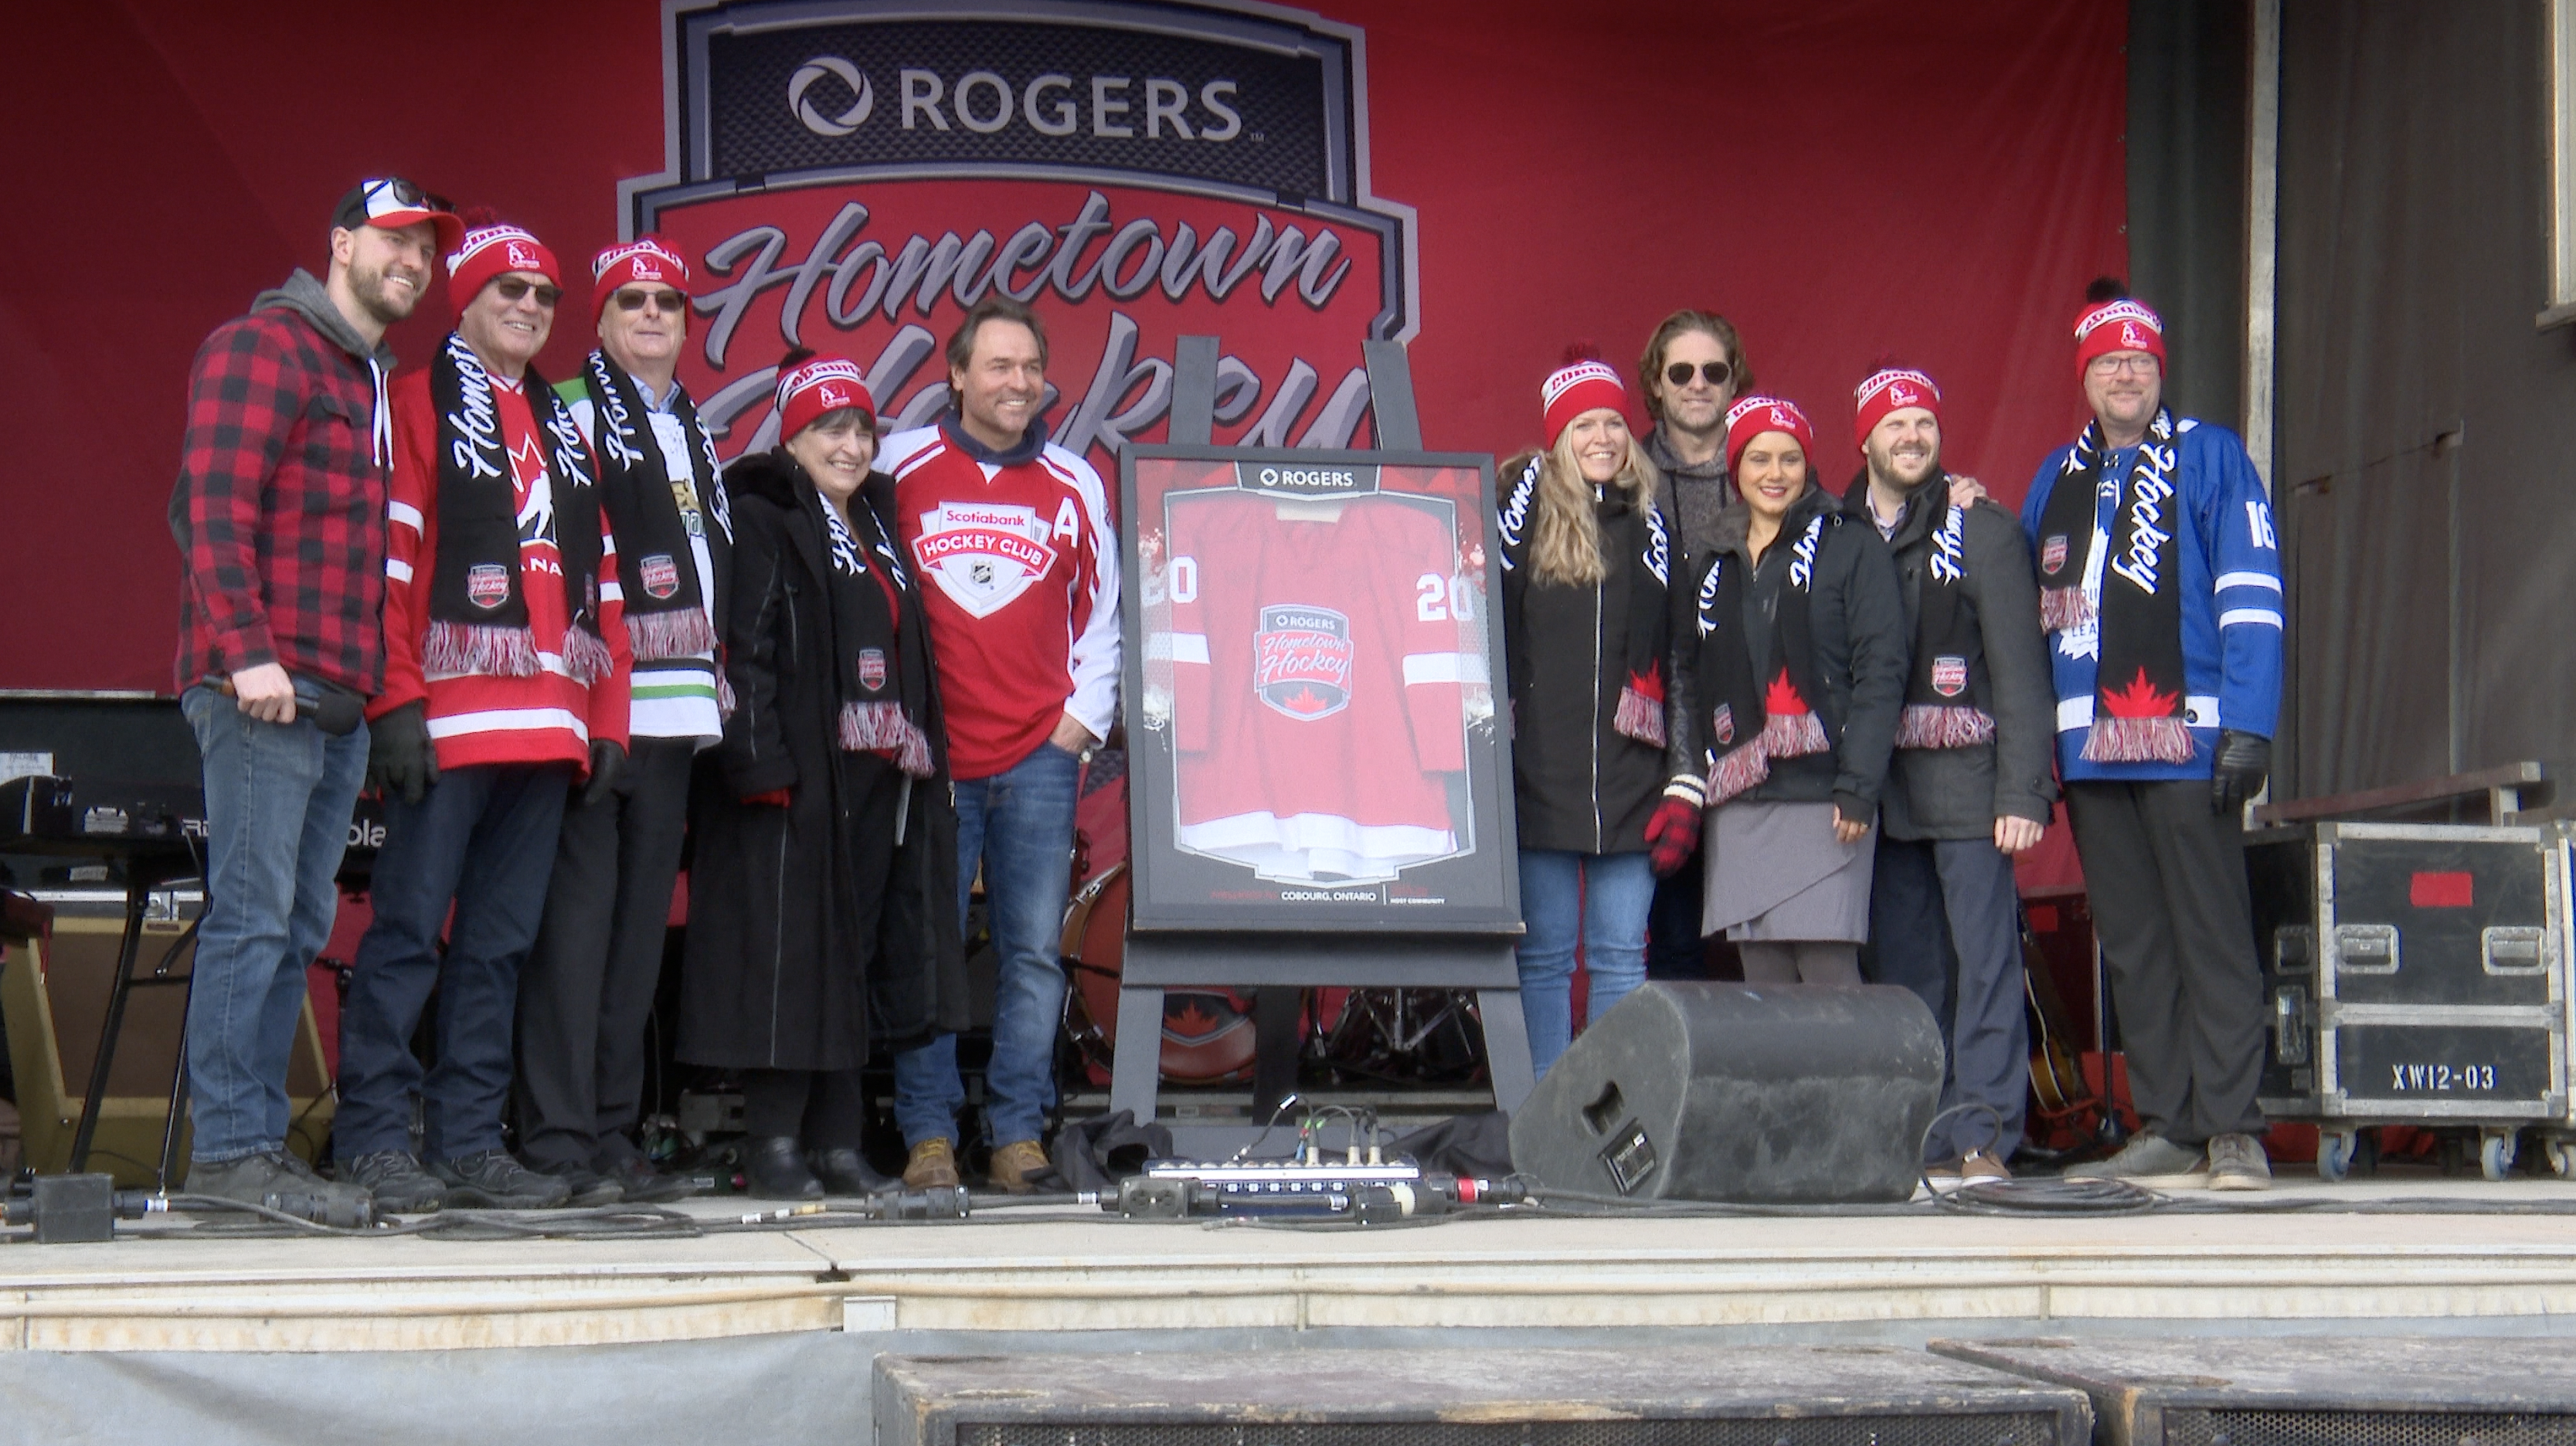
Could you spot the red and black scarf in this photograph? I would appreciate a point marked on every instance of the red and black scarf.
(1756, 715)
(883, 658)
(478, 608)
(2138, 693)
(1945, 696)
(665, 610)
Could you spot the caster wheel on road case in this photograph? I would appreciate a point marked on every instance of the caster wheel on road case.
(2562, 1158)
(2335, 1149)
(2495, 1154)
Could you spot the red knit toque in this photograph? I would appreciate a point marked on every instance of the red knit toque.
(646, 258)
(1753, 416)
(822, 384)
(1584, 383)
(1891, 389)
(495, 250)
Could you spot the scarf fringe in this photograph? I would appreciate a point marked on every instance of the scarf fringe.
(2138, 740)
(585, 656)
(1793, 735)
(1737, 772)
(1639, 717)
(2061, 608)
(725, 700)
(679, 633)
(883, 728)
(1944, 726)
(453, 649)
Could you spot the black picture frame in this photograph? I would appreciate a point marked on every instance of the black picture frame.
(1403, 499)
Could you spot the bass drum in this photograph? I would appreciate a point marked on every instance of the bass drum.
(1207, 1033)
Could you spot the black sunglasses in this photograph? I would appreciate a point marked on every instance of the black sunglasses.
(512, 288)
(667, 299)
(1679, 373)
(411, 195)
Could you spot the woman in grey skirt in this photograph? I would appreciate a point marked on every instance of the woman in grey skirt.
(1798, 680)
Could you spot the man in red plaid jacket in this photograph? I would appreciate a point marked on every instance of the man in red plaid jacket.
(279, 514)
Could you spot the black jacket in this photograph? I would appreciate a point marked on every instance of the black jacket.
(1857, 624)
(810, 929)
(1958, 793)
(1593, 737)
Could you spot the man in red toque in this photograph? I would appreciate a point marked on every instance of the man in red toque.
(505, 683)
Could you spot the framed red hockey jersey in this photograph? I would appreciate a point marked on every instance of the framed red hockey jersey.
(1312, 734)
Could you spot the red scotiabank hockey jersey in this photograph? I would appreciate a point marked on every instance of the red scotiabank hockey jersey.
(1315, 684)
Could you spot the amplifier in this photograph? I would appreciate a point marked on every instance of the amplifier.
(1735, 1396)
(2413, 973)
(2410, 1390)
(43, 815)
(53, 994)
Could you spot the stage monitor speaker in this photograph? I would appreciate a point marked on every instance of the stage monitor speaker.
(1762, 1094)
(1748, 1395)
(2407, 1390)
(53, 993)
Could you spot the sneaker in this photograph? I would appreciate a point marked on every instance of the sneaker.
(2237, 1162)
(1015, 1162)
(397, 1182)
(933, 1164)
(2147, 1157)
(590, 1189)
(1983, 1167)
(639, 1182)
(253, 1178)
(491, 1180)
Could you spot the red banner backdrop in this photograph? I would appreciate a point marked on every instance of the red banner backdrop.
(1847, 180)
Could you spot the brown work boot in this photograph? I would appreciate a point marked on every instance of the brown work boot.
(1015, 1162)
(933, 1164)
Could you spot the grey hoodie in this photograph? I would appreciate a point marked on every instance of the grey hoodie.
(1692, 494)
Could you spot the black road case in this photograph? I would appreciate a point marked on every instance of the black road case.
(2415, 974)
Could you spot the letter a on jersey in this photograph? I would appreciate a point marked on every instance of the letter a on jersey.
(983, 555)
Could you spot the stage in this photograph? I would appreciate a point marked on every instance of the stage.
(1029, 1279)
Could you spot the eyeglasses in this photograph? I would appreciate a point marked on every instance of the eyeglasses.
(511, 288)
(2136, 363)
(403, 195)
(1717, 373)
(667, 299)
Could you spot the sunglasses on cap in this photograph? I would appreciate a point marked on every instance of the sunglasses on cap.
(512, 288)
(629, 299)
(1679, 373)
(396, 194)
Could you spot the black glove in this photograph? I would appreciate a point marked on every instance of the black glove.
(400, 757)
(2236, 770)
(607, 760)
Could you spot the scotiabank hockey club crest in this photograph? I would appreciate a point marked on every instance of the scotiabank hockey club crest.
(984, 554)
(851, 175)
(1301, 661)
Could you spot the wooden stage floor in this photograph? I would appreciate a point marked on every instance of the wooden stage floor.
(1061, 1278)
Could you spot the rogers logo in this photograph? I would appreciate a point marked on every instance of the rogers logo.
(1332, 477)
(864, 96)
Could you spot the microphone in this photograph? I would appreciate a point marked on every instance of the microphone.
(335, 711)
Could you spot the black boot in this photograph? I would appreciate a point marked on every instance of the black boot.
(772, 1169)
(845, 1172)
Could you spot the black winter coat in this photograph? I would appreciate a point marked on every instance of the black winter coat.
(1958, 793)
(1856, 622)
(1593, 740)
(811, 930)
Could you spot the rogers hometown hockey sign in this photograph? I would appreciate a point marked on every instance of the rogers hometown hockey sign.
(851, 176)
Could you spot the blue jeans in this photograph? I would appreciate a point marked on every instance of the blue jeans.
(483, 839)
(1603, 898)
(1019, 825)
(278, 799)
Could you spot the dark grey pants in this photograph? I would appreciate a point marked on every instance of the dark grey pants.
(1944, 922)
(2170, 905)
(588, 986)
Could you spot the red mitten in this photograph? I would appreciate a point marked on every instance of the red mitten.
(1672, 835)
(771, 798)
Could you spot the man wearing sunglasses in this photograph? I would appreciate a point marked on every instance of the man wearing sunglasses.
(1692, 369)
(589, 983)
(505, 683)
(2160, 588)
(279, 514)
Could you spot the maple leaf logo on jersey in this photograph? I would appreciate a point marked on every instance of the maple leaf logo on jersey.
(1301, 661)
(982, 554)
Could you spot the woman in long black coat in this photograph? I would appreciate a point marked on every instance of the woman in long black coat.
(822, 897)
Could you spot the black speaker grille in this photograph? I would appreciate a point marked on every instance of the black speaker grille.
(2366, 1428)
(1992, 1429)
